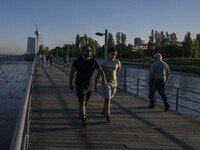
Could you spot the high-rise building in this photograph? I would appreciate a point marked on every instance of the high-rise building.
(197, 36)
(139, 41)
(31, 46)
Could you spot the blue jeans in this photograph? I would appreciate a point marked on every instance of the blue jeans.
(157, 84)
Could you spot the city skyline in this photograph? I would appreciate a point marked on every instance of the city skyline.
(60, 21)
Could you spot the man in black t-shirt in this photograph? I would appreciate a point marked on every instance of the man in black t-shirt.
(85, 67)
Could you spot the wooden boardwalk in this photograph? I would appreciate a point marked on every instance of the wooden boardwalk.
(55, 124)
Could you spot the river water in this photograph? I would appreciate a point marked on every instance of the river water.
(189, 101)
(14, 79)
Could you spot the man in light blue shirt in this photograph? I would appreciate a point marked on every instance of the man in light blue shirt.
(158, 77)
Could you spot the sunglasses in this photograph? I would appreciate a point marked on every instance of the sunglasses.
(88, 50)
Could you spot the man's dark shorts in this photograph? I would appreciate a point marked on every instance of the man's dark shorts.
(84, 92)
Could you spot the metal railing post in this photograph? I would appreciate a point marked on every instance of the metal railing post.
(138, 81)
(177, 97)
(125, 72)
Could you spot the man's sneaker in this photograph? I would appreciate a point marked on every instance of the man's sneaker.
(103, 114)
(150, 107)
(84, 123)
(108, 119)
(166, 108)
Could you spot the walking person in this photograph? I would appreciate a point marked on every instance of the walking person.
(38, 59)
(85, 67)
(158, 78)
(51, 59)
(110, 67)
(47, 59)
(64, 60)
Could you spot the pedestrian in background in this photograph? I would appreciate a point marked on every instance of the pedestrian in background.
(85, 67)
(51, 59)
(158, 78)
(110, 67)
(38, 59)
(47, 59)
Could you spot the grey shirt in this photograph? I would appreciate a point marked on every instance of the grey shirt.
(159, 69)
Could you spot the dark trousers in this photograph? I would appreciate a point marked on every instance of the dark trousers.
(157, 84)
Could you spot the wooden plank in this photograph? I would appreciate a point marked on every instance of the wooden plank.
(55, 123)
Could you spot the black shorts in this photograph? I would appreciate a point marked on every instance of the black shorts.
(84, 92)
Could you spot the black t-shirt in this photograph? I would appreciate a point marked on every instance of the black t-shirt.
(85, 71)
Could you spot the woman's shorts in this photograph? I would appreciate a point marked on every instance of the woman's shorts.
(109, 90)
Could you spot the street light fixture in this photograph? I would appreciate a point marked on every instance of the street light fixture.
(105, 47)
(99, 34)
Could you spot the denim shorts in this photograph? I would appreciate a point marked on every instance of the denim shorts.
(109, 90)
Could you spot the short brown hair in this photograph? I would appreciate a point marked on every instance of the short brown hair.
(86, 46)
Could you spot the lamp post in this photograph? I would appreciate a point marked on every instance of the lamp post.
(105, 47)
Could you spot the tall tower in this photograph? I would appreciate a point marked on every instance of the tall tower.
(37, 33)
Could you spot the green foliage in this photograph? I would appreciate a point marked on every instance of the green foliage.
(151, 40)
(139, 54)
(157, 39)
(118, 40)
(195, 53)
(100, 52)
(187, 46)
(183, 62)
(43, 49)
(111, 42)
(159, 42)
(77, 42)
(123, 38)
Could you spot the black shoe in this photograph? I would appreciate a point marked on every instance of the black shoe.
(150, 107)
(167, 107)
(84, 123)
(108, 119)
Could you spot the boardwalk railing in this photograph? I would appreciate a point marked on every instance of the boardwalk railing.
(179, 97)
(20, 139)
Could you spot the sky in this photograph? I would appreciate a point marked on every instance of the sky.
(59, 21)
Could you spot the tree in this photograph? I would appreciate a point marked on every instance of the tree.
(123, 38)
(77, 43)
(92, 43)
(47, 49)
(198, 38)
(162, 35)
(82, 41)
(173, 39)
(86, 39)
(100, 52)
(157, 39)
(127, 53)
(120, 48)
(151, 40)
(195, 53)
(118, 38)
(187, 45)
(111, 43)
(42, 49)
